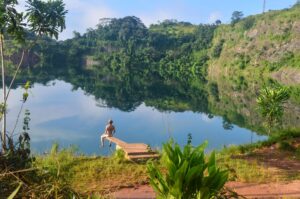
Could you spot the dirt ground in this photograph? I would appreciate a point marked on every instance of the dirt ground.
(248, 190)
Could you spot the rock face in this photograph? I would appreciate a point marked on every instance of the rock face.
(30, 59)
(268, 40)
(89, 62)
(287, 76)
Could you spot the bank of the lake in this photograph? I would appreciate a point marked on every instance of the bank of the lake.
(276, 160)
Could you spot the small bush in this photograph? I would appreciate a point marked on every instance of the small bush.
(214, 90)
(119, 156)
(217, 50)
(286, 146)
(248, 23)
(189, 174)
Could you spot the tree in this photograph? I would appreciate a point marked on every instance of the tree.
(44, 18)
(218, 22)
(270, 102)
(236, 17)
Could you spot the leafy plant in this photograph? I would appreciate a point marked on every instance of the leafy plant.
(189, 174)
(43, 19)
(270, 102)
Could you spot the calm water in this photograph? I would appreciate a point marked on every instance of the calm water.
(71, 117)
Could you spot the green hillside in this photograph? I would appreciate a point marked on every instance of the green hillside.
(257, 51)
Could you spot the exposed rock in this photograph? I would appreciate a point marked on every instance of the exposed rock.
(287, 76)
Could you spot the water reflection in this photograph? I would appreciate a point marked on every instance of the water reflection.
(60, 113)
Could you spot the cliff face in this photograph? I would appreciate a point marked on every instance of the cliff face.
(30, 59)
(270, 40)
(257, 51)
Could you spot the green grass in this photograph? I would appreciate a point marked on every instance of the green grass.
(246, 169)
(93, 175)
(98, 176)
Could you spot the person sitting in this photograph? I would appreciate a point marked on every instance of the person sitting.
(109, 131)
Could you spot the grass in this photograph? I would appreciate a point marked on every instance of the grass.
(244, 171)
(247, 166)
(93, 175)
(97, 176)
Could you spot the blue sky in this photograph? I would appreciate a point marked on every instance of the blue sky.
(84, 14)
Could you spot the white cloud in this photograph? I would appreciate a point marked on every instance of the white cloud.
(214, 16)
(206, 119)
(81, 15)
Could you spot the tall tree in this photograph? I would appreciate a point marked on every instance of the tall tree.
(236, 17)
(44, 18)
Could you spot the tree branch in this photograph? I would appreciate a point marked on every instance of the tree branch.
(14, 77)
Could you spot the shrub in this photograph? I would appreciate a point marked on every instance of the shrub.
(188, 174)
(286, 146)
(218, 49)
(214, 90)
(248, 23)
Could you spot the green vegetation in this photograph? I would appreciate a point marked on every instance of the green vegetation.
(171, 66)
(43, 19)
(271, 102)
(236, 17)
(188, 174)
(247, 163)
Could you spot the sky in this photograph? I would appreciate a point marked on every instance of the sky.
(84, 14)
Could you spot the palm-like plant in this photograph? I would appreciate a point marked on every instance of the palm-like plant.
(46, 18)
(188, 175)
(271, 105)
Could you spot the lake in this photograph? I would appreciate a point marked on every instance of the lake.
(60, 113)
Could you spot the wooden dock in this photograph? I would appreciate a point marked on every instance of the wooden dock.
(134, 151)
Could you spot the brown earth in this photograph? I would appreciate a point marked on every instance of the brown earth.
(248, 190)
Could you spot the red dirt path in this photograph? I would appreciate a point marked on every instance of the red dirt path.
(248, 190)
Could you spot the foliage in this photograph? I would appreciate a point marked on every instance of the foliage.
(46, 17)
(286, 146)
(248, 23)
(10, 19)
(217, 50)
(214, 90)
(236, 17)
(270, 102)
(55, 182)
(188, 175)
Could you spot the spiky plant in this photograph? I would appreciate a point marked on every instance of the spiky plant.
(189, 175)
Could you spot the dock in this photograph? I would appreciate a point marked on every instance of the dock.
(134, 151)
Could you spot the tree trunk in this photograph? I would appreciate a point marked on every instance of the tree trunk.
(3, 132)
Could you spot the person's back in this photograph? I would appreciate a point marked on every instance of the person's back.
(109, 131)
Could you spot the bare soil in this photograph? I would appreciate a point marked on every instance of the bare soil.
(248, 190)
